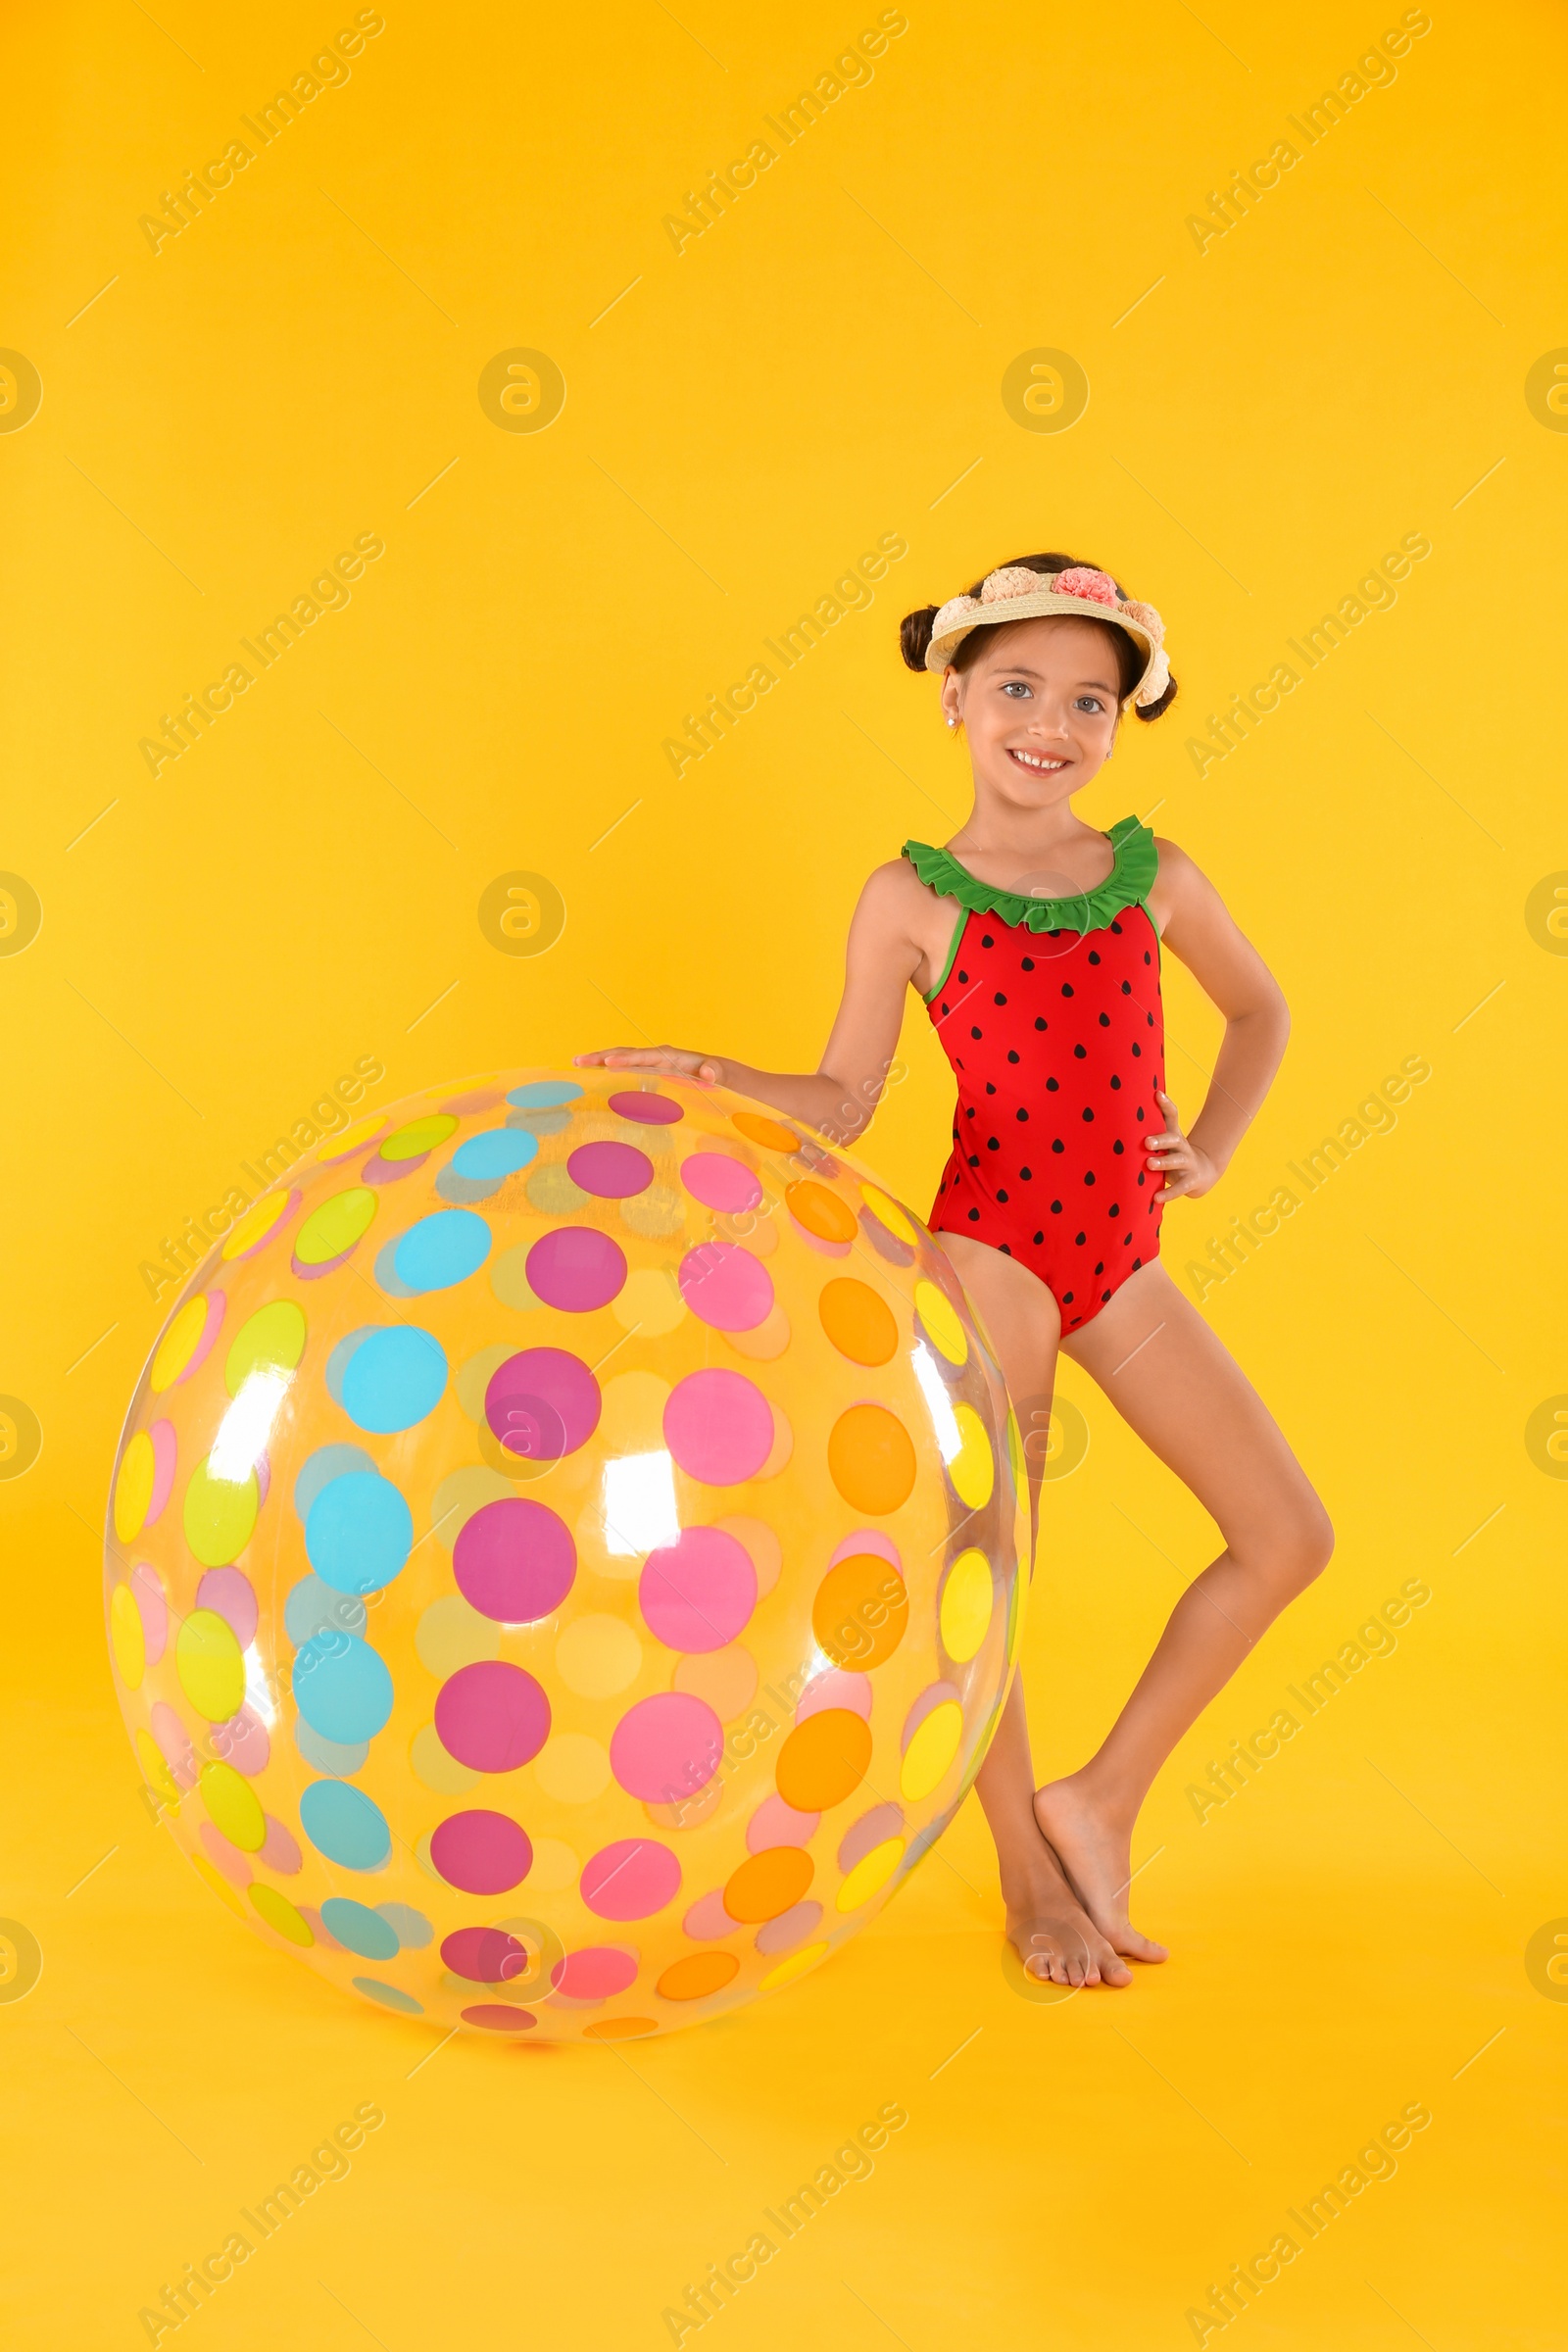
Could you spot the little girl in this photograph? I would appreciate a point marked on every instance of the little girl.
(1035, 941)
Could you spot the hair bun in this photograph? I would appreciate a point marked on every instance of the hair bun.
(914, 636)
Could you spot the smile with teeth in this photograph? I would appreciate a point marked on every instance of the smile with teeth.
(1043, 763)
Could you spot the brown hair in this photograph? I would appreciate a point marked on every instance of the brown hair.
(915, 635)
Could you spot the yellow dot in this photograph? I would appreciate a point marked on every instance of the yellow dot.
(509, 1278)
(178, 1344)
(280, 1913)
(329, 1231)
(452, 1633)
(154, 1771)
(126, 1637)
(931, 1751)
(795, 1966)
(572, 1768)
(256, 1226)
(597, 1656)
(554, 1866)
(220, 1514)
(967, 1598)
(210, 1666)
(870, 1873)
(477, 1374)
(889, 1213)
(273, 1338)
(419, 1136)
(338, 1146)
(974, 1468)
(133, 1487)
(235, 1806)
(216, 1880)
(943, 1327)
(459, 1494)
(431, 1764)
(650, 1301)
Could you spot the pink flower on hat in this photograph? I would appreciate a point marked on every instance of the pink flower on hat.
(1149, 618)
(1096, 587)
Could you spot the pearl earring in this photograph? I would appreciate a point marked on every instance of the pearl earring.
(951, 721)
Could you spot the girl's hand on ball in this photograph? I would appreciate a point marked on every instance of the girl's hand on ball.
(1188, 1171)
(700, 1066)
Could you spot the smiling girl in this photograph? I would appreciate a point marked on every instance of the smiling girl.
(1035, 941)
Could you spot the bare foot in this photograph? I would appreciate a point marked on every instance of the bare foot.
(1054, 1936)
(1096, 1854)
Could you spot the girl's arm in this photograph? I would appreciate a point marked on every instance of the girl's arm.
(1195, 926)
(838, 1100)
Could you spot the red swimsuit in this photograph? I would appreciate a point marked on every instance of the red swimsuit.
(1050, 1011)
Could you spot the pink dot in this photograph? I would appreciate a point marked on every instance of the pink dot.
(280, 1849)
(836, 1688)
(492, 1716)
(775, 1823)
(931, 1696)
(719, 1427)
(611, 1171)
(708, 1920)
(647, 1109)
(872, 1830)
(147, 1591)
(576, 1269)
(243, 1741)
(543, 1403)
(664, 1748)
(631, 1879)
(790, 1928)
(864, 1540)
(228, 1594)
(720, 1182)
(697, 1593)
(497, 2018)
(211, 1327)
(594, 1973)
(514, 1560)
(484, 1955)
(483, 1853)
(235, 1866)
(726, 1286)
(165, 1453)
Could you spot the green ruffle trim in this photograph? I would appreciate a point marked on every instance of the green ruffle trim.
(1128, 884)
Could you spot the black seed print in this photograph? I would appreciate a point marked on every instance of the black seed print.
(1028, 964)
(1116, 927)
(1066, 988)
(1002, 1196)
(1115, 1085)
(1147, 958)
(1151, 1020)
(1056, 1209)
(1082, 1238)
(1139, 1051)
(1058, 1145)
(1039, 1238)
(1126, 988)
(968, 1111)
(974, 1216)
(1115, 1208)
(974, 1033)
(963, 977)
(1089, 1175)
(1080, 1052)
(1022, 1114)
(1052, 1086)
(1105, 1020)
(1038, 1023)
(1118, 1146)
(989, 1089)
(974, 1160)
(1026, 1174)
(1101, 1268)
(947, 1009)
(1142, 1180)
(1104, 1296)
(987, 942)
(991, 1144)
(1093, 954)
(1011, 1054)
(1088, 1114)
(1066, 1301)
(1137, 1262)
(999, 997)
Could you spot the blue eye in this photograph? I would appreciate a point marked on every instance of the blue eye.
(1016, 686)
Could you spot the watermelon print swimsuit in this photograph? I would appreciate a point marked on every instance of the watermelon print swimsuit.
(1050, 1011)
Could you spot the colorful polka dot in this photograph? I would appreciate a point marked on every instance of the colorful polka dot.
(796, 1966)
(324, 1464)
(133, 1485)
(388, 1997)
(870, 1459)
(824, 1213)
(872, 1830)
(770, 1133)
(719, 1427)
(697, 1593)
(187, 1341)
(492, 1716)
(152, 1603)
(721, 1182)
(393, 1379)
(481, 1852)
(871, 1875)
(342, 1688)
(631, 1879)
(544, 1094)
(280, 1913)
(269, 1215)
(272, 1339)
(974, 1468)
(931, 1749)
(823, 1760)
(611, 1171)
(331, 1231)
(345, 1824)
(647, 1109)
(543, 1403)
(514, 1560)
(859, 1323)
(594, 1974)
(211, 1665)
(487, 1158)
(443, 1249)
(352, 1139)
(665, 1749)
(698, 1975)
(360, 1532)
(860, 1612)
(888, 1212)
(234, 1807)
(726, 1286)
(418, 1136)
(768, 1884)
(229, 1593)
(358, 1928)
(494, 2017)
(790, 1930)
(126, 1637)
(576, 1269)
(966, 1604)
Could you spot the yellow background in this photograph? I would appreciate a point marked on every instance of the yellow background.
(1267, 416)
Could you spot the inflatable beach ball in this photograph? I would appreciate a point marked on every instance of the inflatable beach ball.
(565, 1557)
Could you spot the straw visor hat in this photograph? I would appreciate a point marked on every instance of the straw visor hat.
(1016, 593)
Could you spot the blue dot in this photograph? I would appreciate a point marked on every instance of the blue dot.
(360, 1532)
(313, 1607)
(388, 1995)
(393, 1379)
(410, 1928)
(544, 1094)
(464, 1191)
(328, 1755)
(342, 1688)
(359, 1929)
(540, 1122)
(442, 1250)
(500, 1153)
(327, 1461)
(342, 1355)
(342, 1824)
(386, 1272)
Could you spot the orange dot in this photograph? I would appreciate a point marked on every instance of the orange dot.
(859, 1323)
(822, 1761)
(860, 1611)
(770, 1882)
(619, 2029)
(725, 1680)
(820, 1211)
(698, 1974)
(870, 1457)
(767, 1132)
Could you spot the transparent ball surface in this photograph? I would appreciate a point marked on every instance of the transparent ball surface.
(565, 1555)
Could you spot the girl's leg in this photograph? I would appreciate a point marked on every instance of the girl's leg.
(1173, 1381)
(1045, 1922)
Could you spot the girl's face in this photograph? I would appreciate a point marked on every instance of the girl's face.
(1040, 707)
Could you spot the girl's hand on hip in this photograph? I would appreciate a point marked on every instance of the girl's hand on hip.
(1188, 1171)
(700, 1067)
